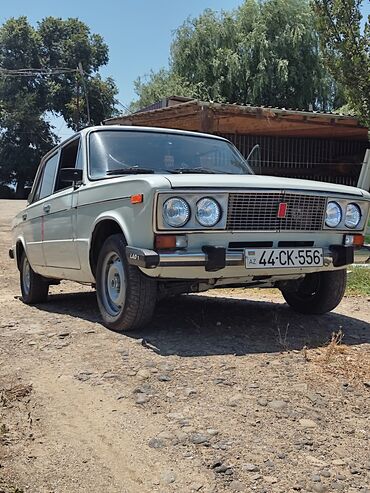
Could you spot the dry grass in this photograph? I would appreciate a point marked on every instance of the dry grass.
(334, 347)
(349, 363)
(5, 488)
(14, 393)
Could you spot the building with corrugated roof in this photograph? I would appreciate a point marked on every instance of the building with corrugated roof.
(299, 144)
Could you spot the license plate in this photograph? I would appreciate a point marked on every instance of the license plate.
(271, 258)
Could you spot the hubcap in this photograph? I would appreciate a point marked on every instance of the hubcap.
(114, 284)
(26, 278)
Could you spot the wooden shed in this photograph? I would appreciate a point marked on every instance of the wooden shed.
(299, 144)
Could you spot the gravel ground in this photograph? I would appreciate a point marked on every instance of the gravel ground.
(226, 392)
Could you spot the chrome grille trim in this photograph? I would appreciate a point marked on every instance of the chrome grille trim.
(257, 211)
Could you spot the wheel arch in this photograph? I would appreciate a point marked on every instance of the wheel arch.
(20, 247)
(103, 228)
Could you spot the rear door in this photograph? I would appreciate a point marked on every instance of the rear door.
(32, 217)
(59, 215)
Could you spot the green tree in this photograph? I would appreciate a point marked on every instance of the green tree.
(158, 85)
(24, 138)
(24, 133)
(264, 53)
(26, 99)
(347, 50)
(66, 43)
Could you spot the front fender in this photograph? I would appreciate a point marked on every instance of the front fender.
(111, 216)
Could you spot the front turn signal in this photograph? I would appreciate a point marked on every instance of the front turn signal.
(356, 241)
(137, 199)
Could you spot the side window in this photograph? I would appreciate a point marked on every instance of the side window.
(68, 159)
(46, 182)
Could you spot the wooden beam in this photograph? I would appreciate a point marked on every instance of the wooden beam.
(328, 170)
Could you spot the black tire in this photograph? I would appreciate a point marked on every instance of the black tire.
(34, 287)
(318, 293)
(126, 298)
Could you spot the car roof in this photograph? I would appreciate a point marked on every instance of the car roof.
(148, 129)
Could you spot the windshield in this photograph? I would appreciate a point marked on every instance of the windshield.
(115, 152)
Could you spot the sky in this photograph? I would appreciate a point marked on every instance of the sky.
(138, 32)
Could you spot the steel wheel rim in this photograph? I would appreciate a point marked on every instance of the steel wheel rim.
(114, 284)
(26, 276)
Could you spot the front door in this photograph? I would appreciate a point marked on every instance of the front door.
(59, 216)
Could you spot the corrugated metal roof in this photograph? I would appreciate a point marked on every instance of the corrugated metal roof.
(185, 102)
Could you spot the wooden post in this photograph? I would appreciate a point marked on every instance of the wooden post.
(364, 179)
(206, 120)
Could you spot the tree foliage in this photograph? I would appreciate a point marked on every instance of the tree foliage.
(25, 134)
(264, 53)
(347, 49)
(24, 138)
(158, 85)
(66, 43)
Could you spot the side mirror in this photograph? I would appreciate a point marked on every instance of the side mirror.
(71, 175)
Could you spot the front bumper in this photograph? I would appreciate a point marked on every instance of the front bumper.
(214, 258)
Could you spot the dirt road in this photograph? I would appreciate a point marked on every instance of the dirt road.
(217, 394)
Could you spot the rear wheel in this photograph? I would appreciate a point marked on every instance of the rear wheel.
(34, 287)
(318, 293)
(126, 297)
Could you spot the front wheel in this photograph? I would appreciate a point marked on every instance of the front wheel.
(126, 297)
(34, 287)
(318, 293)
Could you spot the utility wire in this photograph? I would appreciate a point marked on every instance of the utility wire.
(32, 72)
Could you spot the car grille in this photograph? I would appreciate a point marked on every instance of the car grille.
(259, 212)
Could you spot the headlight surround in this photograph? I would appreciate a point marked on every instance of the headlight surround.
(208, 212)
(353, 216)
(176, 212)
(333, 214)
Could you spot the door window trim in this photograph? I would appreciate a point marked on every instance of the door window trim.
(78, 137)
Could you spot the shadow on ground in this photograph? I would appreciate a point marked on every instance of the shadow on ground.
(202, 326)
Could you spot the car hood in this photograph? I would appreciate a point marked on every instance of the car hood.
(258, 181)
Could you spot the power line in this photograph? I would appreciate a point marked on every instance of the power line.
(32, 72)
(35, 72)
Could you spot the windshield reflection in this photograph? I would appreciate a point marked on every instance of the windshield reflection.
(115, 152)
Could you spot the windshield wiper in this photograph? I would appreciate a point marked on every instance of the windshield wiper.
(134, 170)
(192, 170)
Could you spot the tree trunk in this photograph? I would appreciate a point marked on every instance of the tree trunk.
(19, 193)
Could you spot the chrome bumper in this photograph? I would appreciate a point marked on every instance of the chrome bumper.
(217, 258)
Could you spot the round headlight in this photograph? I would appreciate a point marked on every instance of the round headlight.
(333, 214)
(353, 216)
(208, 212)
(176, 212)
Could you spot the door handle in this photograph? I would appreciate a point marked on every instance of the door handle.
(24, 216)
(46, 208)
